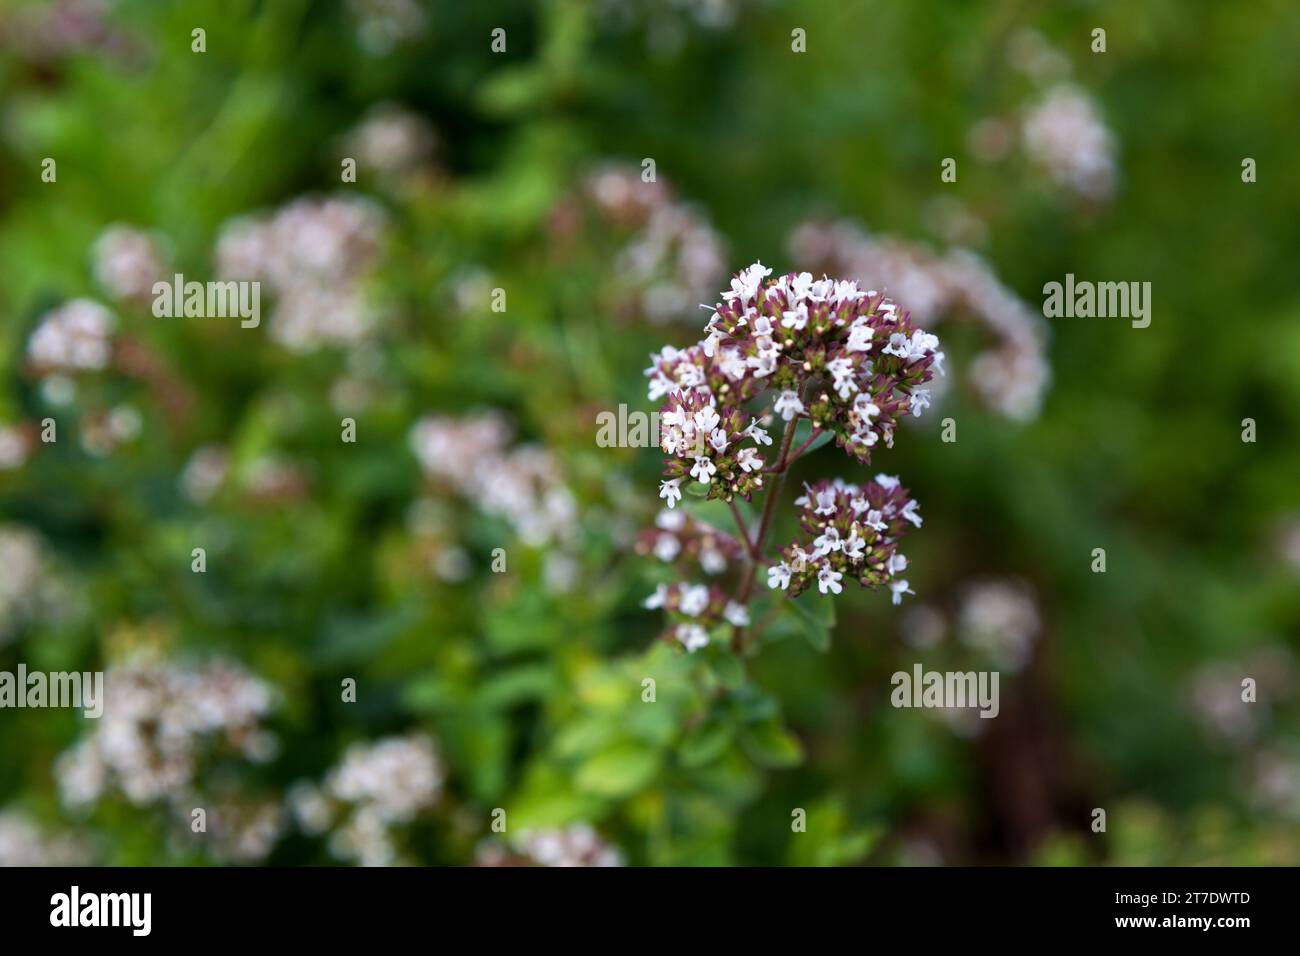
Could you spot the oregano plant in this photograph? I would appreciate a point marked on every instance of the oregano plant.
(834, 363)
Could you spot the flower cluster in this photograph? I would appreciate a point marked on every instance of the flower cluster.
(848, 531)
(1065, 136)
(521, 485)
(24, 843)
(314, 254)
(694, 611)
(391, 141)
(847, 359)
(1000, 618)
(679, 538)
(575, 845)
(159, 719)
(670, 257)
(76, 337)
(382, 785)
(1010, 376)
(127, 262)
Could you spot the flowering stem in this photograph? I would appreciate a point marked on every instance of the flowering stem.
(816, 433)
(744, 531)
(764, 525)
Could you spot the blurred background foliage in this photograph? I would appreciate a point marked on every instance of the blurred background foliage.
(329, 560)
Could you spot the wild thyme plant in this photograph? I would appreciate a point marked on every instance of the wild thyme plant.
(833, 362)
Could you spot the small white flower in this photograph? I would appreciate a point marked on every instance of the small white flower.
(656, 600)
(825, 502)
(671, 491)
(788, 405)
(745, 286)
(841, 370)
(748, 460)
(778, 576)
(828, 541)
(920, 401)
(694, 599)
(703, 469)
(737, 614)
(899, 345)
(706, 419)
(796, 318)
(909, 512)
(897, 562)
(829, 580)
(759, 435)
(670, 520)
(712, 560)
(899, 588)
(888, 482)
(860, 337)
(852, 548)
(692, 636)
(667, 547)
(718, 439)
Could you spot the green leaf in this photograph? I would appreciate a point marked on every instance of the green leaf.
(815, 619)
(726, 667)
(704, 744)
(529, 682)
(771, 745)
(619, 771)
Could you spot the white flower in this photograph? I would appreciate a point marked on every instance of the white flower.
(825, 502)
(718, 439)
(788, 405)
(712, 560)
(656, 600)
(748, 460)
(703, 469)
(897, 562)
(899, 588)
(671, 491)
(670, 520)
(841, 370)
(829, 580)
(860, 337)
(759, 435)
(828, 541)
(888, 482)
(778, 576)
(909, 512)
(706, 419)
(796, 318)
(692, 636)
(898, 345)
(736, 614)
(800, 286)
(745, 286)
(852, 548)
(920, 401)
(667, 547)
(694, 599)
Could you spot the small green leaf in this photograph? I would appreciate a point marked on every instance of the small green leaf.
(725, 665)
(619, 771)
(771, 745)
(815, 619)
(704, 744)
